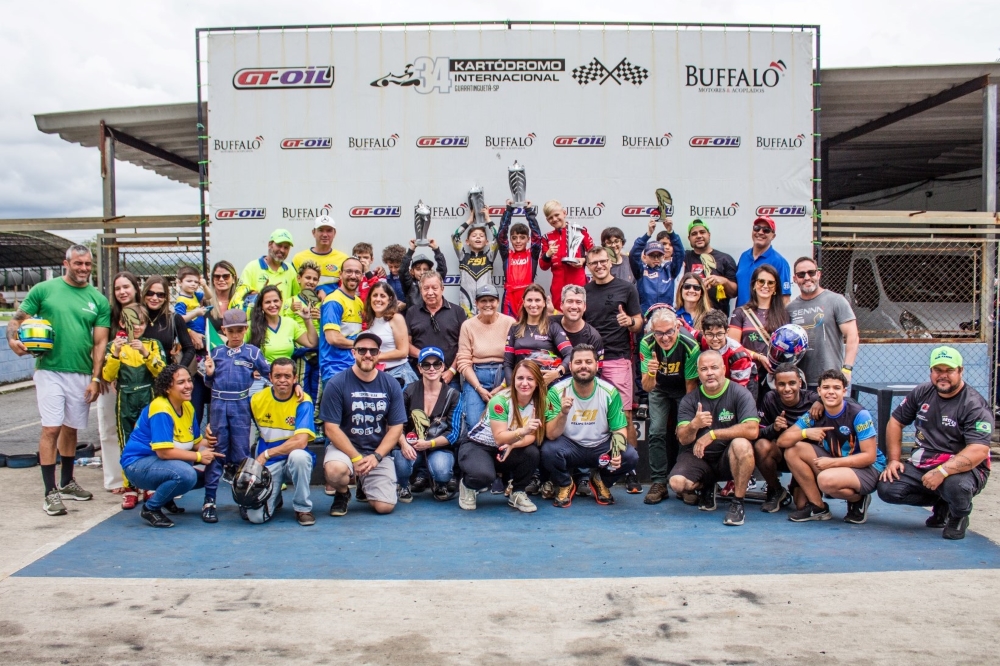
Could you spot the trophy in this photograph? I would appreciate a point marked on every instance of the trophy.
(421, 223)
(518, 184)
(574, 239)
(476, 204)
(664, 201)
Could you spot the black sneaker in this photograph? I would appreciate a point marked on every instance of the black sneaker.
(403, 494)
(156, 518)
(706, 497)
(171, 507)
(534, 485)
(811, 512)
(582, 485)
(359, 492)
(736, 513)
(497, 488)
(939, 518)
(857, 512)
(775, 499)
(208, 513)
(955, 529)
(340, 502)
(632, 485)
(419, 484)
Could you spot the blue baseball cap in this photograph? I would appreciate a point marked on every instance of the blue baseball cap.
(654, 246)
(427, 352)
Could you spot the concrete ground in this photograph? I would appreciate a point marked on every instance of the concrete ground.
(912, 617)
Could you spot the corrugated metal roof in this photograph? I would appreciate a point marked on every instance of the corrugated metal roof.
(32, 249)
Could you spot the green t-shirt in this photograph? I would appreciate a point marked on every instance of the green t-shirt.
(677, 364)
(280, 342)
(74, 313)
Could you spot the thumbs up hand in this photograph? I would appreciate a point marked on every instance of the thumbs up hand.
(781, 423)
(623, 319)
(702, 419)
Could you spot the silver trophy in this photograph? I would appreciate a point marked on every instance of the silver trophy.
(518, 184)
(574, 239)
(421, 223)
(476, 204)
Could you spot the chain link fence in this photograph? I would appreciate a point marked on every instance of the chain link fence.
(148, 253)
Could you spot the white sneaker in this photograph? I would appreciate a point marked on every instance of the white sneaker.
(519, 500)
(466, 497)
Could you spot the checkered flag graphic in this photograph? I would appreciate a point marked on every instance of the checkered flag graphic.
(634, 74)
(592, 71)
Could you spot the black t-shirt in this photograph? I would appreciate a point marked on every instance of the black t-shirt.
(587, 335)
(945, 426)
(732, 405)
(440, 330)
(602, 313)
(773, 406)
(725, 266)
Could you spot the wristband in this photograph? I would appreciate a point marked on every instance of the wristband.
(197, 458)
(452, 370)
(804, 434)
(433, 443)
(711, 433)
(943, 471)
(96, 379)
(651, 373)
(356, 459)
(267, 454)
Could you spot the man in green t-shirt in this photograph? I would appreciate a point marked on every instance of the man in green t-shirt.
(68, 376)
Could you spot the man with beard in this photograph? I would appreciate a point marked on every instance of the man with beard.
(717, 269)
(323, 254)
(951, 462)
(715, 426)
(829, 321)
(761, 252)
(269, 269)
(585, 427)
(341, 322)
(574, 302)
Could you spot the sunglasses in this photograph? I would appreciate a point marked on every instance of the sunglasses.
(367, 351)
(692, 287)
(222, 276)
(766, 283)
(431, 365)
(761, 228)
(804, 274)
(156, 294)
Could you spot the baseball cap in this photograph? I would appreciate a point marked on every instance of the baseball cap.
(234, 317)
(368, 335)
(487, 291)
(697, 223)
(422, 259)
(427, 352)
(282, 236)
(654, 247)
(948, 356)
(324, 221)
(766, 220)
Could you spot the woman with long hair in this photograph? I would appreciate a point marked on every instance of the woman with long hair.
(381, 318)
(125, 288)
(481, 344)
(692, 301)
(222, 285)
(752, 324)
(166, 326)
(506, 440)
(537, 338)
(274, 334)
(160, 453)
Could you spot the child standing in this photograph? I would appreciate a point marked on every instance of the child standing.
(657, 265)
(392, 257)
(229, 373)
(411, 270)
(132, 363)
(520, 246)
(565, 269)
(189, 304)
(364, 253)
(475, 261)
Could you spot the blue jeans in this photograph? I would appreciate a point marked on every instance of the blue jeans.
(404, 373)
(169, 478)
(490, 375)
(561, 456)
(297, 469)
(440, 462)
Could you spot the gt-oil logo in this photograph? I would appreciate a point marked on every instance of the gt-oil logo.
(375, 211)
(714, 142)
(443, 142)
(314, 142)
(644, 211)
(781, 211)
(240, 213)
(284, 77)
(584, 141)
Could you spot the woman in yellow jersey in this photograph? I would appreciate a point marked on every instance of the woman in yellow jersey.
(276, 335)
(160, 454)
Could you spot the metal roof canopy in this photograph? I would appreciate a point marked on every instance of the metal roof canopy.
(162, 138)
(32, 249)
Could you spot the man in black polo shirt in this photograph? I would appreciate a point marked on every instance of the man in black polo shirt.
(781, 408)
(715, 426)
(668, 361)
(717, 269)
(436, 323)
(574, 306)
(951, 463)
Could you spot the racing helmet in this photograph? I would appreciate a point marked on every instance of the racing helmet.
(789, 343)
(36, 335)
(252, 484)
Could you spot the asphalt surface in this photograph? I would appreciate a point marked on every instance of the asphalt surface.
(20, 427)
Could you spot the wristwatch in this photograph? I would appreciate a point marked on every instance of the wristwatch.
(378, 456)
(849, 368)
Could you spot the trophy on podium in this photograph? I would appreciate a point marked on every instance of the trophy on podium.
(665, 202)
(421, 223)
(476, 204)
(574, 239)
(518, 184)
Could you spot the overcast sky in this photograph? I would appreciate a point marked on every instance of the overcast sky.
(68, 56)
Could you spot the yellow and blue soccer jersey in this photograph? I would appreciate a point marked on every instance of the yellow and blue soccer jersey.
(258, 274)
(278, 420)
(185, 304)
(342, 313)
(849, 428)
(329, 267)
(160, 427)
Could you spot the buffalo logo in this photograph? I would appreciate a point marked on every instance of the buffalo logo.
(733, 79)
(625, 71)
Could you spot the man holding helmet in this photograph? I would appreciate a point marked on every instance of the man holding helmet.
(285, 427)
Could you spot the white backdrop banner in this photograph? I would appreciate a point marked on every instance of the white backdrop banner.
(363, 124)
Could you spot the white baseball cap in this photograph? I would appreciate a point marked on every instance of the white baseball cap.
(324, 221)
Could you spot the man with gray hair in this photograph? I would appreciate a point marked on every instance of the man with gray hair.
(668, 363)
(67, 376)
(574, 305)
